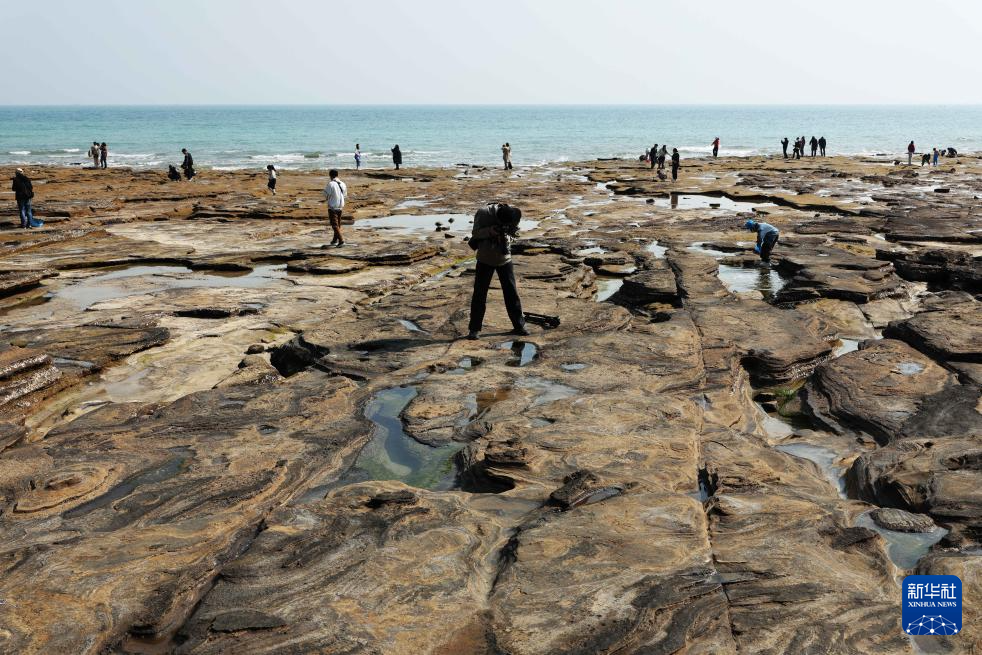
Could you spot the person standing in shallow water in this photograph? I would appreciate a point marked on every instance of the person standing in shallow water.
(675, 164)
(715, 147)
(357, 156)
(821, 144)
(784, 146)
(104, 154)
(493, 245)
(336, 192)
(397, 156)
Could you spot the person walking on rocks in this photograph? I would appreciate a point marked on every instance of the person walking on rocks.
(271, 179)
(336, 192)
(821, 144)
(767, 236)
(784, 146)
(104, 154)
(675, 164)
(94, 154)
(653, 156)
(715, 147)
(357, 156)
(491, 237)
(814, 144)
(397, 156)
(188, 164)
(936, 155)
(911, 149)
(24, 194)
(661, 157)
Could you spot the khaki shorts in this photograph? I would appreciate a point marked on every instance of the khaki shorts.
(334, 215)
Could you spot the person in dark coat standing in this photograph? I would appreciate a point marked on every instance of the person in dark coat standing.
(675, 164)
(784, 146)
(24, 194)
(104, 154)
(188, 164)
(397, 156)
(814, 144)
(653, 156)
(821, 145)
(493, 245)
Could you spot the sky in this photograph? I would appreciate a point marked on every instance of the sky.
(492, 52)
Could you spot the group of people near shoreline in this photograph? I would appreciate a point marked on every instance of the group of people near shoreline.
(99, 154)
(656, 159)
(817, 147)
(929, 157)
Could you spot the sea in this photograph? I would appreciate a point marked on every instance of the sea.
(321, 137)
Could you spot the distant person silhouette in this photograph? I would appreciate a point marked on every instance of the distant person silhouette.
(188, 164)
(784, 146)
(397, 156)
(814, 144)
(821, 144)
(675, 164)
(357, 156)
(715, 147)
(911, 149)
(104, 154)
(661, 157)
(653, 156)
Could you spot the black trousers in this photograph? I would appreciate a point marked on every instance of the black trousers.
(767, 246)
(479, 301)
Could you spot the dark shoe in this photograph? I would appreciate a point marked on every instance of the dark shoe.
(334, 242)
(520, 332)
(340, 243)
(473, 335)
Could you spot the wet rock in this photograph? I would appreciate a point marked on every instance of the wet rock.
(835, 273)
(953, 334)
(255, 349)
(937, 477)
(654, 285)
(901, 521)
(950, 269)
(879, 389)
(14, 282)
(326, 266)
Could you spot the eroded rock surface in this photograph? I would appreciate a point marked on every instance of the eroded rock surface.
(223, 435)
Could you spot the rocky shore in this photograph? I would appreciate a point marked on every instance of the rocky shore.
(218, 434)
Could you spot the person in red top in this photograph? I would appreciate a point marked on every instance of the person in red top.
(910, 153)
(715, 147)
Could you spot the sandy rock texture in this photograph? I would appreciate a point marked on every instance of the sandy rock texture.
(220, 434)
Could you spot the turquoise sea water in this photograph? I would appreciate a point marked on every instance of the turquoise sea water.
(324, 137)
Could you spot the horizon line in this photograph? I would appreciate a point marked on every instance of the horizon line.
(480, 104)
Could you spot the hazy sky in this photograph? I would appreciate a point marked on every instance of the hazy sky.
(492, 51)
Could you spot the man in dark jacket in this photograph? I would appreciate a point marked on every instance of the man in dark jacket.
(821, 145)
(491, 239)
(814, 144)
(188, 164)
(784, 146)
(675, 164)
(397, 156)
(24, 193)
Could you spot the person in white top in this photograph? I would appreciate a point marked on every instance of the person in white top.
(271, 182)
(336, 192)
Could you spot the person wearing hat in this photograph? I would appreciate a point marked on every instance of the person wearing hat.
(491, 237)
(24, 193)
(767, 236)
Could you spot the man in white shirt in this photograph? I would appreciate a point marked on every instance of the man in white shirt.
(336, 192)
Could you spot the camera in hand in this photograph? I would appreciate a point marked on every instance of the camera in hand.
(508, 219)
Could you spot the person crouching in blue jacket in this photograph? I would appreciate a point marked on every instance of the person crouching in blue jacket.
(767, 236)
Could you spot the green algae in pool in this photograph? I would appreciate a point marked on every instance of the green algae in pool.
(394, 455)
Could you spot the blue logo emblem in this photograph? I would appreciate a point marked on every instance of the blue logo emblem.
(932, 605)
